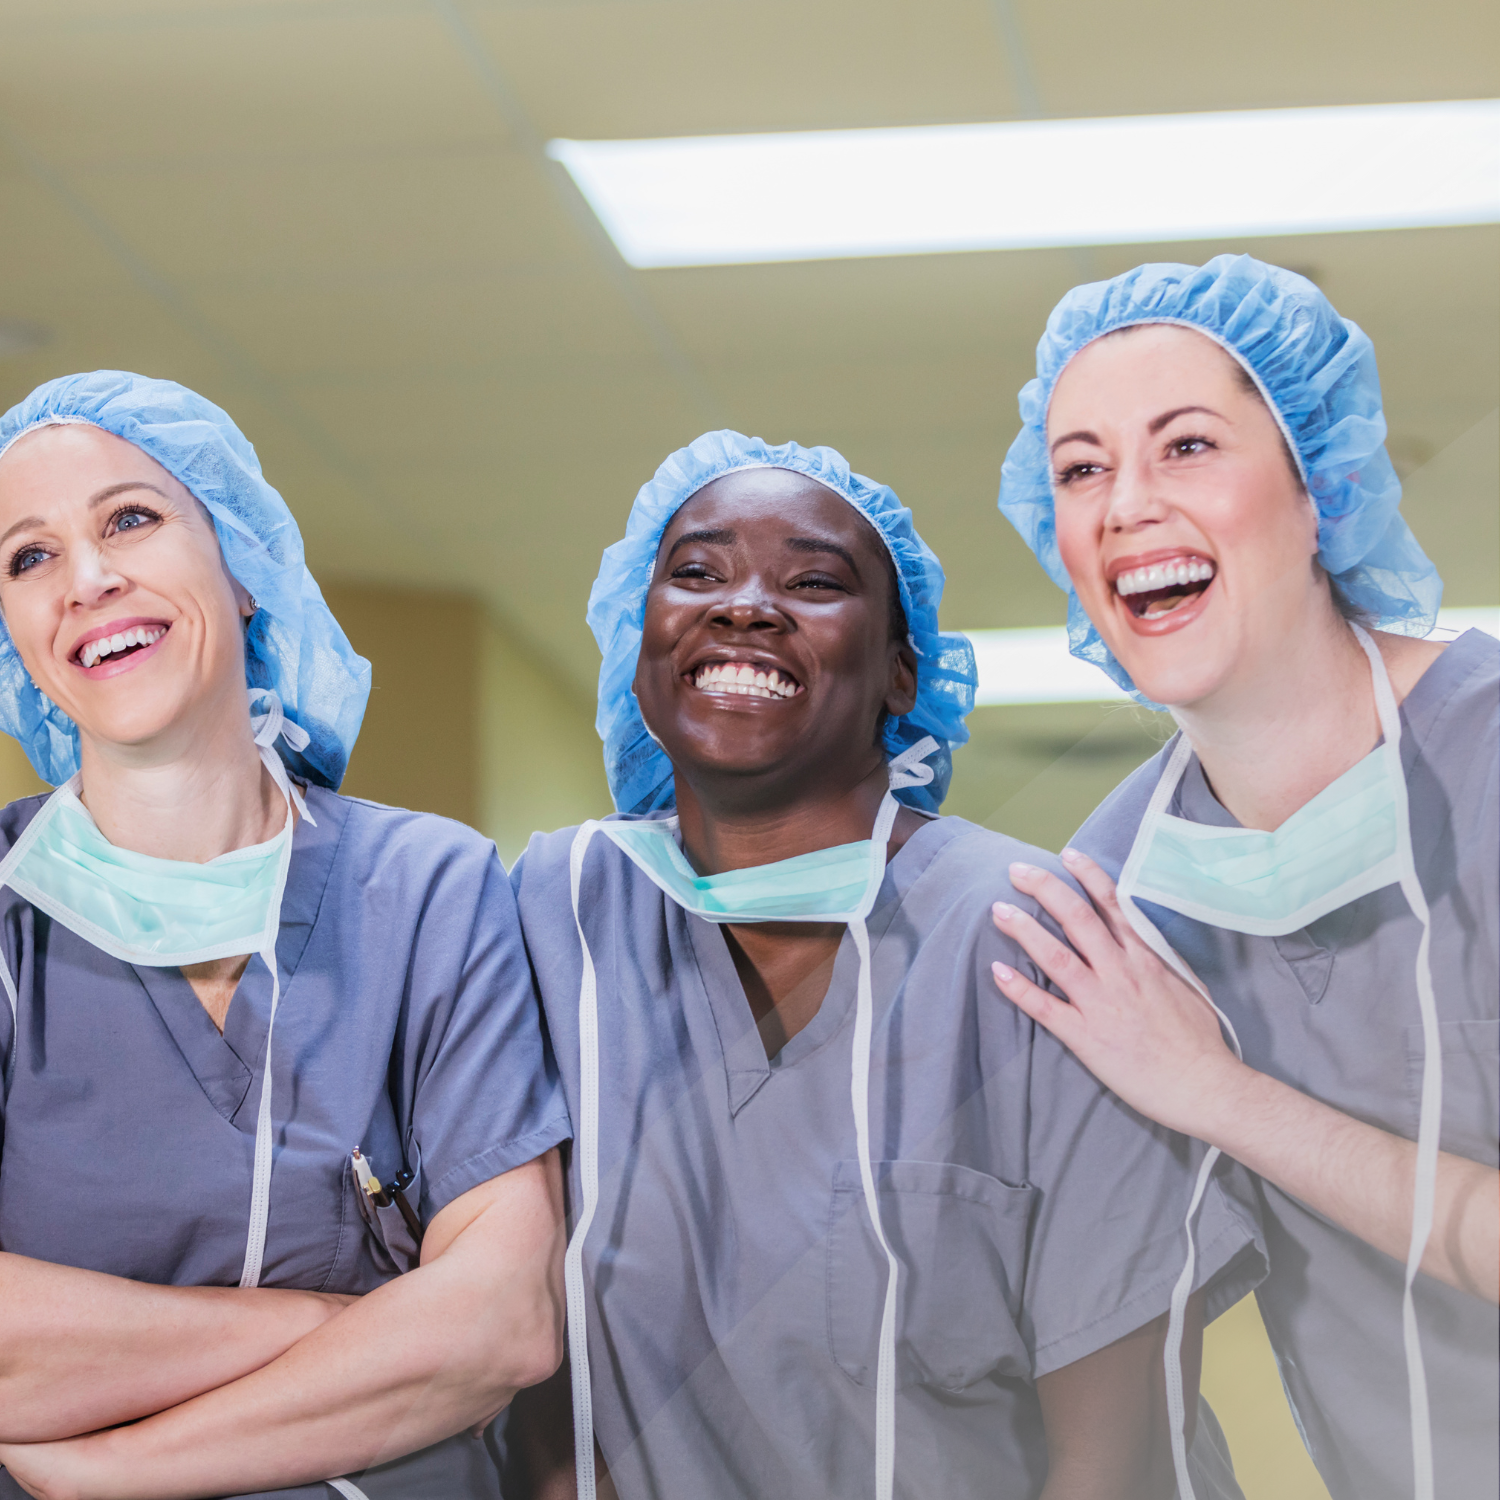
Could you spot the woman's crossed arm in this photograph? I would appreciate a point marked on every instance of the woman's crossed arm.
(434, 1352)
(80, 1350)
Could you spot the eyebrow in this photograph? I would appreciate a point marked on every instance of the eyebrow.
(821, 544)
(1157, 423)
(98, 498)
(1154, 426)
(724, 537)
(111, 490)
(720, 538)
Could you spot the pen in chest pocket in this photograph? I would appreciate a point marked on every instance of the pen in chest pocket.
(384, 1196)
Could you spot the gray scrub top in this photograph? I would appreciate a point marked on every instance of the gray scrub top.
(407, 1025)
(734, 1282)
(1332, 1010)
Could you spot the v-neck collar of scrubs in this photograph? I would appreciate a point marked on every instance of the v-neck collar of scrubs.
(225, 1064)
(746, 1066)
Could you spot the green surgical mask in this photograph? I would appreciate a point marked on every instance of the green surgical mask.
(1343, 844)
(827, 885)
(155, 912)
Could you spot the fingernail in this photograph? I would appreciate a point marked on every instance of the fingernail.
(1071, 857)
(1023, 870)
(1004, 910)
(1003, 974)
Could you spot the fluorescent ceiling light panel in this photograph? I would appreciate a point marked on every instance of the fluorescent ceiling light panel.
(724, 200)
(1033, 666)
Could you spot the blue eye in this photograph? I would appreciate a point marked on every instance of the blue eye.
(27, 557)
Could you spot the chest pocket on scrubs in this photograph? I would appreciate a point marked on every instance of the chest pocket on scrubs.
(1471, 1087)
(961, 1237)
(395, 1243)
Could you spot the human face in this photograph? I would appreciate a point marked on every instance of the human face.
(1163, 459)
(98, 543)
(767, 651)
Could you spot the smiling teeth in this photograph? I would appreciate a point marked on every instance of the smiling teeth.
(142, 635)
(740, 677)
(1163, 576)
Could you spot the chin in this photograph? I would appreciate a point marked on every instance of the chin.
(138, 730)
(1172, 672)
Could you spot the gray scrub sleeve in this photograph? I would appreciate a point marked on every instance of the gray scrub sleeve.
(471, 1074)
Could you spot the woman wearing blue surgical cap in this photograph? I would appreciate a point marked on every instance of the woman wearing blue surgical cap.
(842, 1227)
(1202, 469)
(222, 976)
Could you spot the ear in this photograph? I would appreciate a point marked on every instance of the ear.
(242, 600)
(901, 694)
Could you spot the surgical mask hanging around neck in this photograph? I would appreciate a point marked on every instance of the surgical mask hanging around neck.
(828, 885)
(1350, 840)
(164, 913)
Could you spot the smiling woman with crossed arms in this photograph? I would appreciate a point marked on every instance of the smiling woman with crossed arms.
(201, 1291)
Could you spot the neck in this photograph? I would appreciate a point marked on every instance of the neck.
(722, 832)
(203, 797)
(1292, 724)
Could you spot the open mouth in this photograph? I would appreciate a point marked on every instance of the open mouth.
(116, 647)
(747, 679)
(1152, 592)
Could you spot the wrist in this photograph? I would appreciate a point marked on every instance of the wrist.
(1235, 1109)
(1227, 1099)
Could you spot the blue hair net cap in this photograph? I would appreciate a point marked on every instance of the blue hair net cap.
(1317, 374)
(293, 647)
(640, 775)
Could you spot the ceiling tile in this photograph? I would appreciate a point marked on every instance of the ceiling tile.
(236, 83)
(1164, 56)
(604, 71)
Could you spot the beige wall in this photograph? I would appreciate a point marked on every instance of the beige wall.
(419, 746)
(540, 761)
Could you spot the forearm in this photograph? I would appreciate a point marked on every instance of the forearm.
(80, 1350)
(432, 1353)
(1359, 1176)
(1106, 1420)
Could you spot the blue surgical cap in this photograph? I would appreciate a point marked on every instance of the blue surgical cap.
(1317, 374)
(293, 645)
(640, 775)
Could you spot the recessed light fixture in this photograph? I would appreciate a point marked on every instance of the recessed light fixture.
(1033, 666)
(724, 200)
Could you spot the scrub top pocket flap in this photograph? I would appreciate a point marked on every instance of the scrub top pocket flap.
(961, 1237)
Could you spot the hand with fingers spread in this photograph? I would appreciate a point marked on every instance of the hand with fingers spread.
(1140, 1028)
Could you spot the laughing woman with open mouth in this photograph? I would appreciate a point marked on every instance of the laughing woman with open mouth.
(842, 1226)
(1202, 469)
(205, 1288)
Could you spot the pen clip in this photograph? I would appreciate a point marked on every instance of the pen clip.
(369, 1181)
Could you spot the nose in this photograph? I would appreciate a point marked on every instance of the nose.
(750, 609)
(1133, 500)
(93, 580)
